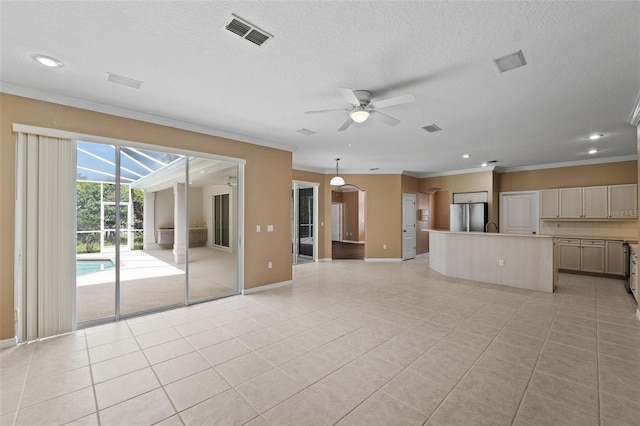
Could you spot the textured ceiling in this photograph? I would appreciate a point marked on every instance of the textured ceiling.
(582, 76)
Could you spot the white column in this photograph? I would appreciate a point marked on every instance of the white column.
(179, 222)
(149, 220)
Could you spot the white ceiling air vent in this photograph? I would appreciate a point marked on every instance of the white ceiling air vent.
(247, 31)
(306, 132)
(124, 81)
(432, 128)
(512, 61)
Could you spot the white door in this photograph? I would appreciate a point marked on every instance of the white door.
(336, 222)
(408, 226)
(519, 213)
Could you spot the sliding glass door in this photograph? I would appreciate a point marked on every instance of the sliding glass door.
(149, 232)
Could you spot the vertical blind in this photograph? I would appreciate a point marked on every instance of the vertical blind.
(45, 236)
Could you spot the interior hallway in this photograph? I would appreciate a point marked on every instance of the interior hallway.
(348, 343)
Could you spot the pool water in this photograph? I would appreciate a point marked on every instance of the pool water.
(87, 266)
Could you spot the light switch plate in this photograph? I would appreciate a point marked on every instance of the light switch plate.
(269, 228)
(258, 228)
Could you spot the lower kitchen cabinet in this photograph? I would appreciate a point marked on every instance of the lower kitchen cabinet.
(592, 252)
(615, 258)
(591, 255)
(569, 254)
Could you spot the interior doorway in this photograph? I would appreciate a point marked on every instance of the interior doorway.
(304, 216)
(347, 222)
(408, 226)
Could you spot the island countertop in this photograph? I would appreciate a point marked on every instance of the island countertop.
(523, 261)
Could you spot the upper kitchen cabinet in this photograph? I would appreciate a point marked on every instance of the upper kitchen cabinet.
(623, 201)
(549, 204)
(593, 202)
(470, 197)
(571, 203)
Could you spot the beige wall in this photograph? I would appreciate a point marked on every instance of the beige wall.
(468, 182)
(383, 217)
(568, 177)
(350, 216)
(267, 192)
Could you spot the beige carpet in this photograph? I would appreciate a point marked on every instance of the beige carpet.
(150, 279)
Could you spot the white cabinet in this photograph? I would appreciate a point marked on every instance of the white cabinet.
(623, 201)
(615, 258)
(591, 202)
(549, 204)
(570, 203)
(592, 256)
(594, 202)
(569, 254)
(470, 197)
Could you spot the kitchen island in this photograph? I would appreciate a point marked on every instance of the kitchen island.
(522, 261)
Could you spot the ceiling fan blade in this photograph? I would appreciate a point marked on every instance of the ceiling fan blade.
(386, 119)
(349, 96)
(326, 110)
(345, 125)
(396, 100)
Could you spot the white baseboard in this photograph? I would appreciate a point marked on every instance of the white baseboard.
(383, 259)
(7, 343)
(267, 287)
(353, 242)
(325, 259)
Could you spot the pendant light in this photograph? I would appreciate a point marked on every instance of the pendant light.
(337, 180)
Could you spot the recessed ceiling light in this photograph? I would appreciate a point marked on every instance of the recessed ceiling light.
(484, 164)
(593, 151)
(595, 136)
(465, 156)
(47, 61)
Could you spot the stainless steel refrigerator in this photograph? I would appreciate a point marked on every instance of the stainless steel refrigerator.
(470, 217)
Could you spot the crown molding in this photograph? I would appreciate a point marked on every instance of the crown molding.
(27, 92)
(458, 172)
(569, 164)
(634, 117)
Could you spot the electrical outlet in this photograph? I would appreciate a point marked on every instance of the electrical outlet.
(501, 262)
(270, 265)
(384, 246)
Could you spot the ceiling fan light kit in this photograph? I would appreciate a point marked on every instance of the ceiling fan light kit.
(359, 115)
(362, 106)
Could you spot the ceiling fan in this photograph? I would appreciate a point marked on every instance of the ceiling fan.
(362, 106)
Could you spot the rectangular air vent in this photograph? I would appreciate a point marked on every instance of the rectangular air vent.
(247, 31)
(125, 81)
(510, 62)
(306, 132)
(432, 128)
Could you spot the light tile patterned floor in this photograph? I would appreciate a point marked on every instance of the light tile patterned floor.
(350, 343)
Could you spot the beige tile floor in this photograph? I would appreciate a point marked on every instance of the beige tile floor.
(350, 343)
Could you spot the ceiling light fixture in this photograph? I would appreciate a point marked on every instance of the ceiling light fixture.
(485, 164)
(595, 136)
(466, 156)
(47, 61)
(593, 151)
(336, 180)
(359, 115)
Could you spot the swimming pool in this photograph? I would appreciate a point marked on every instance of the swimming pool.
(87, 266)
